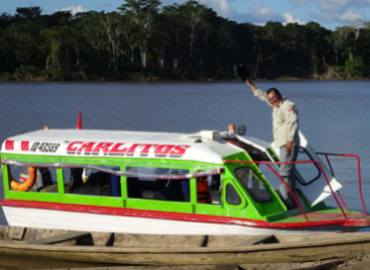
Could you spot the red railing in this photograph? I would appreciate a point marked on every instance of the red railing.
(359, 175)
(268, 164)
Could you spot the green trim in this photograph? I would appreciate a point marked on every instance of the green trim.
(155, 205)
(260, 210)
(273, 154)
(5, 181)
(243, 203)
(193, 194)
(60, 181)
(123, 186)
(205, 209)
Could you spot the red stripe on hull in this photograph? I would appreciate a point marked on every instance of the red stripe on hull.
(168, 215)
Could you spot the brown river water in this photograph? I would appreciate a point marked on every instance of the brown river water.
(334, 116)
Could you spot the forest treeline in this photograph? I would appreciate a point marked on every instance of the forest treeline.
(145, 40)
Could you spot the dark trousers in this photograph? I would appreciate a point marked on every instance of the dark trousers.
(288, 175)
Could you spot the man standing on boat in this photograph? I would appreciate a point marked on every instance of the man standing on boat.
(286, 138)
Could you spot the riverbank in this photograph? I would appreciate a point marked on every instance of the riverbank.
(30, 75)
(179, 80)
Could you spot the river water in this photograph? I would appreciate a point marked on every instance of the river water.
(334, 116)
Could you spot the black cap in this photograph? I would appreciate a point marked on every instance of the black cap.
(242, 71)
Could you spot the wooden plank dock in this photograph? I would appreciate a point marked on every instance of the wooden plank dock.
(113, 249)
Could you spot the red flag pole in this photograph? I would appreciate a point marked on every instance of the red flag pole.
(79, 120)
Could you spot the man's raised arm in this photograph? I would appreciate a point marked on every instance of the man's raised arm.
(257, 91)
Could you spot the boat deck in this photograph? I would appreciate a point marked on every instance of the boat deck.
(358, 219)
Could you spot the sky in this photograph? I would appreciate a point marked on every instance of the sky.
(328, 13)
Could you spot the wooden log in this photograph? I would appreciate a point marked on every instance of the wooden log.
(303, 251)
(317, 265)
(329, 264)
(16, 232)
(229, 240)
(176, 267)
(156, 240)
(102, 239)
(61, 238)
(10, 262)
(318, 236)
(3, 232)
(256, 240)
(269, 253)
(33, 234)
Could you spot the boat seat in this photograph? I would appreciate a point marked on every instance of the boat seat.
(54, 188)
(116, 185)
(133, 188)
(76, 179)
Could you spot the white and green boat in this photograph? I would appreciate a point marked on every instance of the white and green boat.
(156, 183)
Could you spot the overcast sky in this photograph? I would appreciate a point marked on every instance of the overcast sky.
(328, 13)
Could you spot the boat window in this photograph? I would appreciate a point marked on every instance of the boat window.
(151, 188)
(45, 179)
(255, 153)
(86, 181)
(232, 197)
(306, 173)
(208, 189)
(252, 184)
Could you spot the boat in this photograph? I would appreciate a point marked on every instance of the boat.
(149, 249)
(204, 183)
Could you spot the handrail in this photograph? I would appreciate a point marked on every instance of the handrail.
(267, 163)
(290, 190)
(358, 170)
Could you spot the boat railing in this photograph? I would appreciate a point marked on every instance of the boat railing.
(269, 163)
(358, 172)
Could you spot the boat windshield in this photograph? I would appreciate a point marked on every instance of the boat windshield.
(306, 173)
(252, 184)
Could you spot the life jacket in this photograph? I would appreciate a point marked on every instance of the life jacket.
(203, 194)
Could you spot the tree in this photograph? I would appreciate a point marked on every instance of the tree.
(115, 27)
(335, 40)
(28, 12)
(186, 40)
(20, 39)
(6, 20)
(173, 19)
(142, 15)
(357, 25)
(317, 46)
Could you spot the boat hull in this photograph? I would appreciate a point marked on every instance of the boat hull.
(94, 222)
(300, 251)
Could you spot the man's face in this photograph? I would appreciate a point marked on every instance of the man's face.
(274, 99)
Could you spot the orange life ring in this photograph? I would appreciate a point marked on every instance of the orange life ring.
(26, 185)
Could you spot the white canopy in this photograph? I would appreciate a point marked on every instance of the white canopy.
(202, 147)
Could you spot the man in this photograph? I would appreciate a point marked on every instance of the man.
(286, 138)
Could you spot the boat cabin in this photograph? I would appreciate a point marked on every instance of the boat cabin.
(139, 170)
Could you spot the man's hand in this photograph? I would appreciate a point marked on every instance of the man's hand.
(249, 82)
(289, 146)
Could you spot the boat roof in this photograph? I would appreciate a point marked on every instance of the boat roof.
(204, 146)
